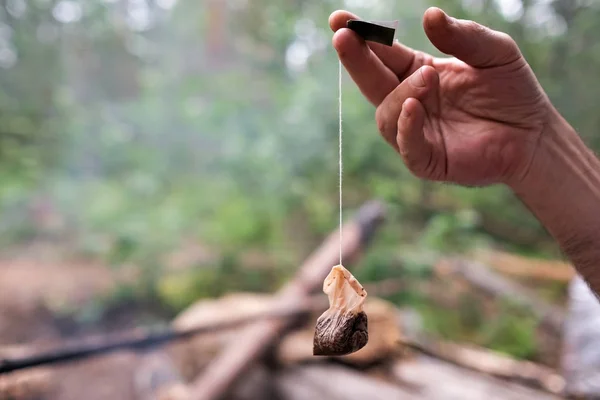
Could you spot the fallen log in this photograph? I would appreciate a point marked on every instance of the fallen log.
(224, 372)
(319, 381)
(435, 379)
(497, 286)
(525, 267)
(490, 363)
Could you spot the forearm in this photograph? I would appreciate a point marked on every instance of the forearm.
(562, 188)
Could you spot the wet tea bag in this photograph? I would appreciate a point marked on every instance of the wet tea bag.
(342, 329)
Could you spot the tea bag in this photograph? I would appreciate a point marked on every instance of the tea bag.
(342, 329)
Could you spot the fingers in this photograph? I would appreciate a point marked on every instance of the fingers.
(400, 59)
(422, 85)
(401, 118)
(416, 151)
(372, 77)
(469, 41)
(370, 74)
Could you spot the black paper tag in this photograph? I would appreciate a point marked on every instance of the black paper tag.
(375, 31)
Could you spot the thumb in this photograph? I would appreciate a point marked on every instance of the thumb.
(475, 44)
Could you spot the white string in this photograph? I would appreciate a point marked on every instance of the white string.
(340, 149)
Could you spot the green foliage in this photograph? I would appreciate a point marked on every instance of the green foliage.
(450, 232)
(509, 330)
(511, 334)
(180, 291)
(378, 266)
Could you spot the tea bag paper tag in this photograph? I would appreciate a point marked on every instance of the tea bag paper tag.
(375, 31)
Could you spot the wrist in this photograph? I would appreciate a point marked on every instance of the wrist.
(561, 162)
(561, 187)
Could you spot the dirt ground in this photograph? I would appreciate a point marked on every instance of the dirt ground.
(38, 293)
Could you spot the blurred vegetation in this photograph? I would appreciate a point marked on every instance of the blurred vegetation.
(129, 128)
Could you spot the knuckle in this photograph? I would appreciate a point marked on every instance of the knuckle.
(422, 58)
(476, 27)
(386, 124)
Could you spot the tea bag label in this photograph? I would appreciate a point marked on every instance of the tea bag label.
(375, 31)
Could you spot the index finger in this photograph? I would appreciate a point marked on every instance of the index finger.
(400, 59)
(374, 79)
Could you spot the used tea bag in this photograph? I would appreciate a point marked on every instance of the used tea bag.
(342, 329)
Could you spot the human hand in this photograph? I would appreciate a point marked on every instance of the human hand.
(474, 119)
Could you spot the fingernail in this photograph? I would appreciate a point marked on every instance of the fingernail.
(417, 79)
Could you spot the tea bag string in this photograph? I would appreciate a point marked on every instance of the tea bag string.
(340, 149)
(382, 32)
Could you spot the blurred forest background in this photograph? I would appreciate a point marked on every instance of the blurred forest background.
(193, 146)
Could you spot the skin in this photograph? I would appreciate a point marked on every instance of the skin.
(480, 117)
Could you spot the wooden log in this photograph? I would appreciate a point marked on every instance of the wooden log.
(25, 385)
(497, 286)
(436, 379)
(224, 372)
(327, 381)
(490, 363)
(527, 267)
(193, 355)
